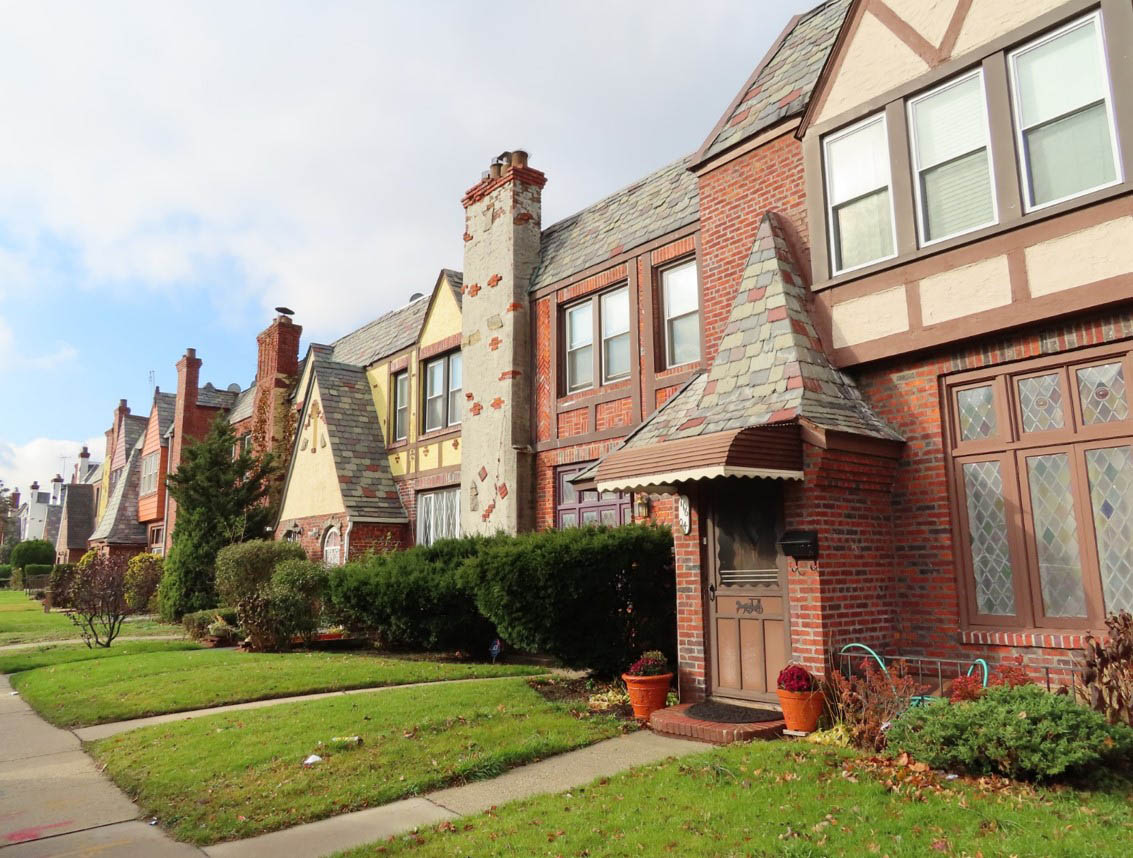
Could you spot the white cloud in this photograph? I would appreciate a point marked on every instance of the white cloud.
(321, 149)
(40, 459)
(15, 358)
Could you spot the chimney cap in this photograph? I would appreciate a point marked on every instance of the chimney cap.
(285, 311)
(234, 388)
(58, 478)
(415, 296)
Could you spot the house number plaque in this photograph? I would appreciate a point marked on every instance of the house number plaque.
(684, 514)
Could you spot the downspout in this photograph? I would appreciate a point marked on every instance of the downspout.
(346, 540)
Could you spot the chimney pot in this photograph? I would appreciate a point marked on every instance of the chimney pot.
(519, 158)
(190, 353)
(121, 403)
(85, 453)
(494, 171)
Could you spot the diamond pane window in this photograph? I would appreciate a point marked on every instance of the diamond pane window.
(977, 412)
(1110, 472)
(1056, 535)
(1040, 402)
(1102, 391)
(987, 526)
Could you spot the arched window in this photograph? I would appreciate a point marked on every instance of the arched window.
(332, 547)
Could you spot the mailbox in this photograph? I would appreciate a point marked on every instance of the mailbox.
(800, 544)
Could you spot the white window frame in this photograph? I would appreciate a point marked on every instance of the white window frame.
(832, 234)
(157, 541)
(452, 413)
(602, 299)
(917, 169)
(1020, 142)
(587, 303)
(336, 560)
(667, 318)
(400, 405)
(433, 508)
(447, 419)
(150, 465)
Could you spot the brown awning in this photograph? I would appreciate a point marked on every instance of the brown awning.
(773, 451)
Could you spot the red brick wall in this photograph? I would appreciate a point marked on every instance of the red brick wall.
(408, 486)
(362, 536)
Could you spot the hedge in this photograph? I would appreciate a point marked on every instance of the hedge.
(245, 567)
(35, 570)
(5, 574)
(33, 551)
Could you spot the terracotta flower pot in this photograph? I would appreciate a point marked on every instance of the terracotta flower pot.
(801, 709)
(647, 693)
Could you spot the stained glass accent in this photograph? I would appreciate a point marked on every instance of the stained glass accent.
(1102, 391)
(1040, 401)
(987, 526)
(977, 412)
(1110, 471)
(1056, 535)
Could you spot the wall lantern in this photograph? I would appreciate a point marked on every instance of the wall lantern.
(800, 544)
(641, 505)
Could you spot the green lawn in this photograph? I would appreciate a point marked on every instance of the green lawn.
(82, 693)
(48, 654)
(22, 620)
(782, 799)
(240, 774)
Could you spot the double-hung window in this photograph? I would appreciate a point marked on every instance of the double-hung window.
(615, 334)
(442, 392)
(150, 466)
(580, 346)
(951, 159)
(401, 405)
(438, 515)
(858, 196)
(1064, 114)
(680, 296)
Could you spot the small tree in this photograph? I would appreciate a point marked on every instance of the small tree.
(38, 551)
(9, 525)
(98, 599)
(220, 501)
(143, 575)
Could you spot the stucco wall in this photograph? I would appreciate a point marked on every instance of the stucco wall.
(313, 485)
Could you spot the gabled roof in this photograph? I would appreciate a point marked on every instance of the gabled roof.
(455, 281)
(133, 428)
(242, 407)
(78, 517)
(51, 523)
(770, 370)
(661, 202)
(119, 524)
(211, 396)
(355, 436)
(166, 404)
(782, 83)
(389, 333)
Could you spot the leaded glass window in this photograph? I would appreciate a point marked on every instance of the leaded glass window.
(987, 529)
(1101, 389)
(1040, 402)
(976, 406)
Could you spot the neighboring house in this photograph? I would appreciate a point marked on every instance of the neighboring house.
(34, 513)
(123, 434)
(154, 467)
(118, 532)
(76, 522)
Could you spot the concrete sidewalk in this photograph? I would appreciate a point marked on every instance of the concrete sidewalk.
(119, 639)
(565, 771)
(54, 802)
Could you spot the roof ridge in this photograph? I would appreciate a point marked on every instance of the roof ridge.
(384, 315)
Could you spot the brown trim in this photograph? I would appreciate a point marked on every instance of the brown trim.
(814, 178)
(913, 306)
(614, 261)
(1017, 274)
(595, 396)
(832, 66)
(1117, 34)
(439, 434)
(1001, 139)
(833, 439)
(698, 156)
(901, 181)
(649, 323)
(901, 28)
(955, 25)
(615, 432)
(452, 470)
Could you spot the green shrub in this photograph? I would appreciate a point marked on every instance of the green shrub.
(33, 551)
(595, 597)
(143, 575)
(17, 580)
(245, 568)
(59, 587)
(88, 558)
(415, 599)
(37, 571)
(197, 623)
(297, 590)
(1023, 733)
(5, 574)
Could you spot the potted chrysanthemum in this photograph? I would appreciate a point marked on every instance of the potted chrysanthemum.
(800, 697)
(647, 682)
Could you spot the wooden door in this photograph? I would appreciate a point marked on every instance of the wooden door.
(747, 601)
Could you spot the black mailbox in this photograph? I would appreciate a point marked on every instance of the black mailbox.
(800, 544)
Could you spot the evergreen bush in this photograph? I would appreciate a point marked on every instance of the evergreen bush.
(5, 574)
(276, 590)
(1022, 732)
(245, 568)
(37, 570)
(33, 551)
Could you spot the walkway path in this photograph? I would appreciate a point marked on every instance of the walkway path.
(54, 802)
(119, 639)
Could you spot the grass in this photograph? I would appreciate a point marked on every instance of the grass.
(240, 774)
(82, 693)
(49, 654)
(782, 799)
(23, 620)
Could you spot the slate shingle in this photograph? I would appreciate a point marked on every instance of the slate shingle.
(77, 520)
(119, 524)
(389, 333)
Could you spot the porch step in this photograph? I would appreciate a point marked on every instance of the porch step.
(674, 722)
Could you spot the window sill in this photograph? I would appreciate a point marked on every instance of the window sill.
(439, 434)
(1047, 639)
(619, 389)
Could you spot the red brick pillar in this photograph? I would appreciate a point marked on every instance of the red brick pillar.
(692, 676)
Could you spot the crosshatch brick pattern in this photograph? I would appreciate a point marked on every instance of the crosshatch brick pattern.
(362, 537)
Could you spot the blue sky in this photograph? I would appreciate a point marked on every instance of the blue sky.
(172, 171)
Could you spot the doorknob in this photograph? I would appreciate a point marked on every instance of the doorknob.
(711, 592)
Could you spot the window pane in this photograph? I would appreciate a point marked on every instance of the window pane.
(610, 517)
(987, 533)
(455, 371)
(1069, 156)
(679, 290)
(615, 313)
(684, 339)
(858, 163)
(590, 516)
(569, 519)
(956, 196)
(1040, 402)
(580, 326)
(976, 407)
(435, 378)
(949, 123)
(615, 357)
(401, 406)
(1047, 89)
(580, 368)
(1056, 535)
(567, 493)
(1110, 472)
(1102, 391)
(864, 230)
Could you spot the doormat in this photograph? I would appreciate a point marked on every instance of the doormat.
(726, 713)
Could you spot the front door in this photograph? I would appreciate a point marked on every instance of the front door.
(747, 598)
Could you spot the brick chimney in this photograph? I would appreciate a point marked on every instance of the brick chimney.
(276, 366)
(83, 467)
(501, 249)
(57, 490)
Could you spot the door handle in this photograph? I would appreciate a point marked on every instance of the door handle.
(711, 592)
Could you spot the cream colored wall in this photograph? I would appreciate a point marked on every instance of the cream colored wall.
(378, 376)
(965, 290)
(313, 485)
(1086, 256)
(443, 320)
(869, 317)
(930, 18)
(989, 19)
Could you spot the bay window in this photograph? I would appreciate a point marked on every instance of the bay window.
(150, 467)
(680, 297)
(438, 515)
(859, 202)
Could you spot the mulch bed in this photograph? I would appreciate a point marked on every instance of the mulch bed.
(576, 693)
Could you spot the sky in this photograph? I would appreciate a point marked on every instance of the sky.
(170, 172)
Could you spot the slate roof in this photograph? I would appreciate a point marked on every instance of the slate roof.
(387, 334)
(242, 407)
(782, 85)
(95, 475)
(455, 281)
(119, 524)
(166, 409)
(770, 367)
(661, 202)
(77, 520)
(355, 437)
(51, 523)
(211, 396)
